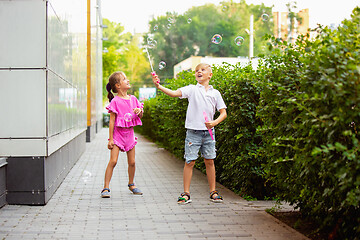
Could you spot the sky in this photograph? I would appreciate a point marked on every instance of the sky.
(134, 15)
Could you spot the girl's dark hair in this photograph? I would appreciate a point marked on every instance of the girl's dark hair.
(113, 79)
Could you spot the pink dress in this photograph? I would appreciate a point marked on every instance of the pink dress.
(125, 120)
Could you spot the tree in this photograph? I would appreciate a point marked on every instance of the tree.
(123, 53)
(114, 35)
(111, 63)
(136, 64)
(181, 36)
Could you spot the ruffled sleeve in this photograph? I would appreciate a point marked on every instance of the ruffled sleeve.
(112, 107)
(138, 103)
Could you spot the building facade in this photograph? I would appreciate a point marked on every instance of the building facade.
(282, 26)
(44, 93)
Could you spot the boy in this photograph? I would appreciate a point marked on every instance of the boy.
(202, 98)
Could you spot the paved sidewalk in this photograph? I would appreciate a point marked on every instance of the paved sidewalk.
(76, 210)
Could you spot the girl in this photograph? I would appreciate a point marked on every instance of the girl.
(125, 113)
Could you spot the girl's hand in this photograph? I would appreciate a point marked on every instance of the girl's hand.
(139, 112)
(110, 144)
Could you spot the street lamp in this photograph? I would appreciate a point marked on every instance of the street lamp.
(251, 37)
(251, 44)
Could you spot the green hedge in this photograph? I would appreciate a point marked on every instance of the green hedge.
(292, 126)
(311, 106)
(237, 140)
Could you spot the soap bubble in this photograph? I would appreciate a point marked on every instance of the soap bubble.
(156, 27)
(169, 26)
(162, 65)
(151, 43)
(239, 40)
(224, 8)
(216, 39)
(128, 117)
(265, 17)
(189, 20)
(171, 20)
(86, 176)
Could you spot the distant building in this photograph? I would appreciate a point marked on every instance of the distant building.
(282, 25)
(146, 93)
(190, 63)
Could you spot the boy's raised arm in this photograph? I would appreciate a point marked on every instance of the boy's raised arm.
(165, 90)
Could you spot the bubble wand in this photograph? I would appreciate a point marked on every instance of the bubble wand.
(210, 131)
(153, 73)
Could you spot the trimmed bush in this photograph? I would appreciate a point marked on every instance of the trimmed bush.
(292, 126)
(310, 108)
(238, 168)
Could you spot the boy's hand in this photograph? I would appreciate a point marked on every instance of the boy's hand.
(210, 124)
(156, 80)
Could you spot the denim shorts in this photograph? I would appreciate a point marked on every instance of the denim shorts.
(199, 140)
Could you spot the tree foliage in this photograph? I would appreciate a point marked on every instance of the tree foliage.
(181, 36)
(114, 33)
(123, 54)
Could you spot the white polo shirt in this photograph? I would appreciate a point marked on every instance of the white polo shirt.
(201, 100)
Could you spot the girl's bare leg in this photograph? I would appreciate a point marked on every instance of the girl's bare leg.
(131, 165)
(114, 154)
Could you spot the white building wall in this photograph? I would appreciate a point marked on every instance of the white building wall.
(99, 67)
(42, 75)
(66, 71)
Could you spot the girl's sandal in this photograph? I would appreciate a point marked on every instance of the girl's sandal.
(217, 198)
(135, 190)
(183, 200)
(105, 193)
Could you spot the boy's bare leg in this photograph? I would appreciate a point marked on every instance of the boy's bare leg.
(210, 173)
(187, 175)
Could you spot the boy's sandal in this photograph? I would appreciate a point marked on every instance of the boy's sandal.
(135, 191)
(183, 200)
(105, 193)
(217, 198)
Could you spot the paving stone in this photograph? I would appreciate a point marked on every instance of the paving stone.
(76, 210)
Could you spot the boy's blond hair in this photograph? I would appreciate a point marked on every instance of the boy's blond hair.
(203, 65)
